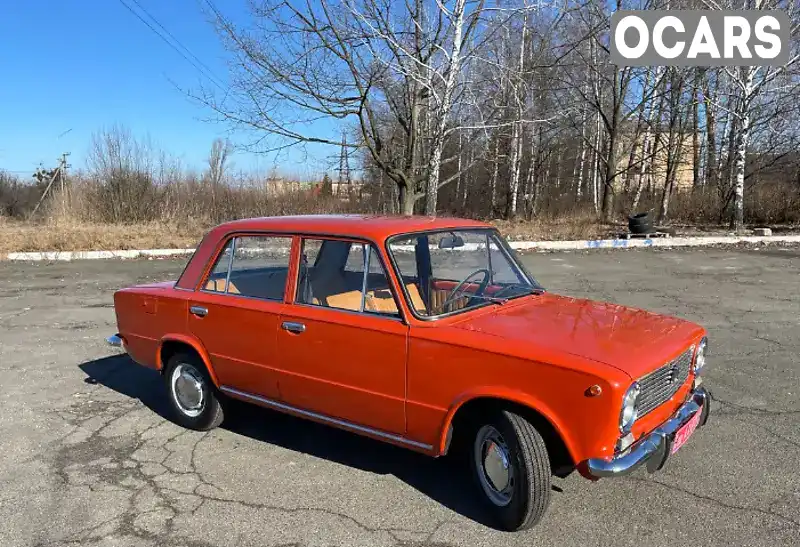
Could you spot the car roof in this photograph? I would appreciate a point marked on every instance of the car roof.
(375, 227)
(371, 227)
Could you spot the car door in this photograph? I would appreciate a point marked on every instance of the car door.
(236, 312)
(343, 340)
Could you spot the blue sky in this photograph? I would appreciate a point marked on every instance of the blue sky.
(77, 67)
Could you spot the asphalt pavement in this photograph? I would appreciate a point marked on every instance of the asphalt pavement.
(88, 455)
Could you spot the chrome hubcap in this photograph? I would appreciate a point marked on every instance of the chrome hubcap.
(493, 462)
(187, 389)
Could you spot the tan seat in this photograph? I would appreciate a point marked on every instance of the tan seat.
(381, 301)
(345, 301)
(218, 285)
(416, 299)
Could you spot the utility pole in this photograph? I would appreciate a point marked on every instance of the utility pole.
(59, 173)
(344, 168)
(62, 170)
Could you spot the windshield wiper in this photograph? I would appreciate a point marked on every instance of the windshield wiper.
(528, 291)
(493, 299)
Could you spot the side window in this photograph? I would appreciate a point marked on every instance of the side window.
(254, 266)
(333, 275)
(219, 273)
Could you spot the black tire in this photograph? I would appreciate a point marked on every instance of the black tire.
(208, 413)
(640, 223)
(530, 484)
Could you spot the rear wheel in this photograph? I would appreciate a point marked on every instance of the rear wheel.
(192, 395)
(512, 468)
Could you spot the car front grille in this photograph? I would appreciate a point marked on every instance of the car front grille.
(660, 385)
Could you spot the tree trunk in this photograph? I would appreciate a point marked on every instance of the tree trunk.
(467, 180)
(642, 170)
(515, 161)
(406, 200)
(495, 169)
(608, 186)
(630, 171)
(743, 138)
(711, 137)
(695, 134)
(596, 164)
(533, 181)
(460, 179)
(559, 158)
(582, 157)
(432, 189)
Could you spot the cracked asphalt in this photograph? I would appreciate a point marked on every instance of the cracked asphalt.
(88, 455)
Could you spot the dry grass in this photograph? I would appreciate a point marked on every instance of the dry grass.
(566, 228)
(17, 236)
(20, 237)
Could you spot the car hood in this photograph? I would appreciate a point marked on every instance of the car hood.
(632, 340)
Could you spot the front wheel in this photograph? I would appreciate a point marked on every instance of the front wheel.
(512, 468)
(192, 395)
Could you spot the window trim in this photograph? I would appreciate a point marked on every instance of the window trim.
(503, 247)
(233, 236)
(367, 244)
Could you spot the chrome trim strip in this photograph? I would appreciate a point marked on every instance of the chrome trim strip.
(654, 449)
(365, 313)
(366, 274)
(342, 423)
(230, 264)
(234, 295)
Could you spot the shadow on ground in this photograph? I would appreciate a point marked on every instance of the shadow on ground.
(442, 479)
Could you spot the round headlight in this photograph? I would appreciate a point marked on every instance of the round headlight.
(629, 411)
(700, 356)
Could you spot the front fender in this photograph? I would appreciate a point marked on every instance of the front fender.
(513, 396)
(192, 342)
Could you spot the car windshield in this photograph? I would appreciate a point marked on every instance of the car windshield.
(447, 272)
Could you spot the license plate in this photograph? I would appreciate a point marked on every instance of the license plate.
(683, 434)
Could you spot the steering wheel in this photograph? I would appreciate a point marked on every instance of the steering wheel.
(504, 289)
(481, 287)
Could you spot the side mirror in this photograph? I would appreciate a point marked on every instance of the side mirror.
(451, 241)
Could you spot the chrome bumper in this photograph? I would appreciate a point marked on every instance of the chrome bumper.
(114, 340)
(654, 449)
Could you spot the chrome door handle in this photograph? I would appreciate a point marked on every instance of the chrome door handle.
(199, 311)
(291, 326)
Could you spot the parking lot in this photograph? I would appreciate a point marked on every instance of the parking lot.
(88, 457)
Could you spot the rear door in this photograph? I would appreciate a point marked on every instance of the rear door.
(236, 312)
(342, 340)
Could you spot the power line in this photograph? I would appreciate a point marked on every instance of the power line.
(205, 72)
(186, 49)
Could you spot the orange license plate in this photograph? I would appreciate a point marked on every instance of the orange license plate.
(683, 434)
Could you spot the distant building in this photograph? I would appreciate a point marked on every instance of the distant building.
(656, 172)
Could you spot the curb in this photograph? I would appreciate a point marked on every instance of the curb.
(580, 245)
(95, 255)
(653, 242)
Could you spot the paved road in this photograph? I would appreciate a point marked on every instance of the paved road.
(87, 457)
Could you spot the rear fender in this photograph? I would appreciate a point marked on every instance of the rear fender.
(192, 342)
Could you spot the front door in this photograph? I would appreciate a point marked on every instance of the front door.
(343, 340)
(237, 311)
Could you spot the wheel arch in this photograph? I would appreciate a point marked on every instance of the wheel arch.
(171, 344)
(463, 412)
